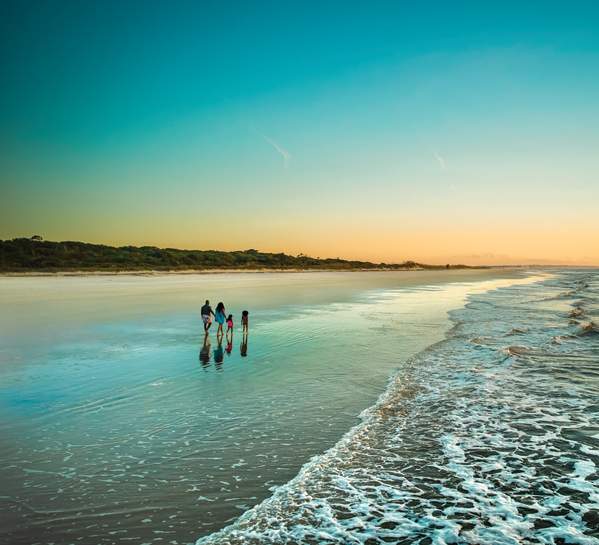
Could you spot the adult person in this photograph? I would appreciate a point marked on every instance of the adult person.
(220, 317)
(206, 316)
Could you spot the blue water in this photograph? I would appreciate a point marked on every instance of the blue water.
(114, 431)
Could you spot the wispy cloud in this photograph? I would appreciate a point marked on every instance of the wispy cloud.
(279, 149)
(440, 160)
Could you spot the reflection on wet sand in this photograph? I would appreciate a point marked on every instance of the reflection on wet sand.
(205, 352)
(243, 347)
(218, 352)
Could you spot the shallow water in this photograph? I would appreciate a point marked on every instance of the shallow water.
(113, 430)
(490, 436)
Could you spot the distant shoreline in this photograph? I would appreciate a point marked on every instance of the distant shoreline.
(34, 256)
(235, 271)
(26, 256)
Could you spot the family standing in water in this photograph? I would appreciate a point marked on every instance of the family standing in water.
(221, 318)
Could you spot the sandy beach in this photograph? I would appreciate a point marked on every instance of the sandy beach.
(237, 271)
(111, 395)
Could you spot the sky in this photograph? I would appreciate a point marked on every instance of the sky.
(461, 132)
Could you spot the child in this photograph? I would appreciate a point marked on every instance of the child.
(229, 323)
(245, 320)
(219, 316)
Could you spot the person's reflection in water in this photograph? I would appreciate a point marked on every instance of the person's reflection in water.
(205, 352)
(243, 347)
(229, 348)
(219, 353)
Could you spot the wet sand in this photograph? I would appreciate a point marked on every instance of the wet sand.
(115, 430)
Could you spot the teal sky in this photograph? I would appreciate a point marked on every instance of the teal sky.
(462, 131)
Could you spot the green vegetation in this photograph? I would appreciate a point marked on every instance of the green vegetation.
(36, 255)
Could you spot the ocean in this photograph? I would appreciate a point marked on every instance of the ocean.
(426, 407)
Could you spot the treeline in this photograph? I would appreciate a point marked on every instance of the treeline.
(34, 254)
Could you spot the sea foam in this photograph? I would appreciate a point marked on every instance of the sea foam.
(474, 441)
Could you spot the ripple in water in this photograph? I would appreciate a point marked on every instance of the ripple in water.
(478, 440)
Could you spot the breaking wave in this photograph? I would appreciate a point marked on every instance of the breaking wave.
(474, 441)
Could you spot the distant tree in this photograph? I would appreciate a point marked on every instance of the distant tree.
(35, 254)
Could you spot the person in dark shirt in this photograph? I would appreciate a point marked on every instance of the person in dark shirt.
(207, 315)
